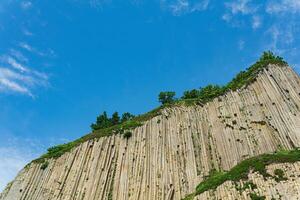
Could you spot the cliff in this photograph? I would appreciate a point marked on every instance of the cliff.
(171, 153)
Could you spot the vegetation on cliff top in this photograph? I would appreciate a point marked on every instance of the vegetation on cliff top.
(242, 79)
(241, 170)
(103, 121)
(105, 126)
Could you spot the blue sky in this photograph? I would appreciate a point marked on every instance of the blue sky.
(62, 62)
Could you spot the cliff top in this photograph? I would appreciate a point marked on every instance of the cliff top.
(193, 97)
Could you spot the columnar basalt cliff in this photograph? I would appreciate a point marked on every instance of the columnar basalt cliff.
(170, 154)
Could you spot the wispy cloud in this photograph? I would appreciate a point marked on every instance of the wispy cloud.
(18, 55)
(15, 154)
(27, 32)
(181, 7)
(48, 52)
(235, 11)
(26, 5)
(283, 6)
(240, 6)
(27, 47)
(280, 17)
(241, 44)
(15, 64)
(16, 77)
(256, 21)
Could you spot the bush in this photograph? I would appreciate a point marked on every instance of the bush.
(279, 175)
(254, 196)
(44, 165)
(240, 171)
(191, 94)
(127, 135)
(242, 79)
(103, 121)
(166, 97)
(126, 117)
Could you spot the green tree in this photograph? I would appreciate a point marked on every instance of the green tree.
(191, 94)
(115, 119)
(127, 116)
(102, 121)
(166, 97)
(209, 92)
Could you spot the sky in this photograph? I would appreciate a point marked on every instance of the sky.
(62, 62)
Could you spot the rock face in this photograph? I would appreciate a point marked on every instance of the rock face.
(171, 153)
(256, 185)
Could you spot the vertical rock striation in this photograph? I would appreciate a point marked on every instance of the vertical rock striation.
(171, 153)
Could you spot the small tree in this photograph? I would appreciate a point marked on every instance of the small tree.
(166, 97)
(127, 116)
(115, 119)
(102, 121)
(191, 94)
(127, 135)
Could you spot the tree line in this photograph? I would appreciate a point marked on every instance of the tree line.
(104, 121)
(204, 94)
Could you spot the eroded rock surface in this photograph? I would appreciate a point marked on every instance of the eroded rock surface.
(268, 188)
(170, 154)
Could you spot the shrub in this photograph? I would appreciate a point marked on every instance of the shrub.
(240, 171)
(102, 121)
(126, 117)
(166, 97)
(191, 94)
(115, 119)
(44, 165)
(254, 196)
(279, 175)
(242, 79)
(127, 135)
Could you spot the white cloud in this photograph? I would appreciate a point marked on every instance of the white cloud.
(6, 84)
(227, 17)
(27, 32)
(236, 10)
(281, 17)
(241, 44)
(181, 7)
(15, 154)
(18, 55)
(256, 22)
(98, 3)
(15, 64)
(283, 6)
(240, 6)
(16, 77)
(201, 6)
(26, 5)
(48, 52)
(27, 47)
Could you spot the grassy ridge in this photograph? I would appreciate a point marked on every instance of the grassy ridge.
(57, 151)
(206, 94)
(241, 171)
(242, 79)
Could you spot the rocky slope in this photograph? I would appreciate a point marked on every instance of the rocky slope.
(256, 186)
(171, 153)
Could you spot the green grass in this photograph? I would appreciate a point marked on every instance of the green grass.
(241, 171)
(207, 94)
(279, 175)
(44, 165)
(254, 196)
(243, 79)
(57, 151)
